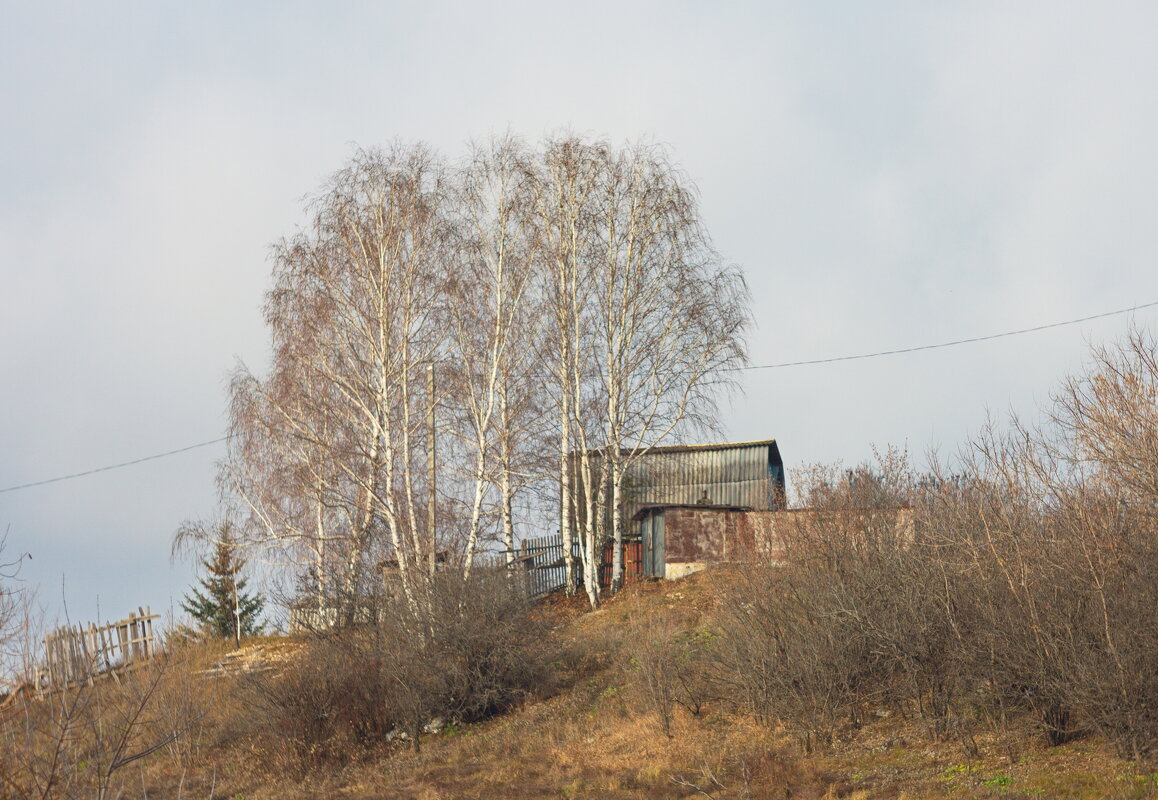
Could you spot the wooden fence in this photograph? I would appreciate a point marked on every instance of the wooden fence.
(80, 652)
(541, 559)
(309, 617)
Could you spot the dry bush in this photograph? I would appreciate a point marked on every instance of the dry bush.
(328, 698)
(475, 651)
(1007, 594)
(76, 742)
(672, 659)
(1025, 582)
(1053, 553)
(873, 562)
(789, 654)
(856, 618)
(1104, 485)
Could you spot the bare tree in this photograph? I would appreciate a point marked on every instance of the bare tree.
(75, 740)
(494, 334)
(570, 290)
(671, 317)
(1108, 418)
(357, 315)
(647, 323)
(565, 186)
(12, 603)
(287, 484)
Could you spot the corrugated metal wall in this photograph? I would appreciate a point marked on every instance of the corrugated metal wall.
(748, 475)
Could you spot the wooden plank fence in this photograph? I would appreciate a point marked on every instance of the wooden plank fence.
(542, 560)
(77, 653)
(308, 617)
(539, 560)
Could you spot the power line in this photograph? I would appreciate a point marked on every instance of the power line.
(953, 343)
(113, 466)
(832, 360)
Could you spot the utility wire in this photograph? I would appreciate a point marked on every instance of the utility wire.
(953, 343)
(781, 365)
(113, 466)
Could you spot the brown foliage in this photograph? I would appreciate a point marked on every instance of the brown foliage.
(1025, 581)
(673, 665)
(478, 652)
(77, 742)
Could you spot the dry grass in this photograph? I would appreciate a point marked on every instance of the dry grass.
(598, 737)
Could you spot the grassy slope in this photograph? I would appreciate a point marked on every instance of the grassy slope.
(599, 738)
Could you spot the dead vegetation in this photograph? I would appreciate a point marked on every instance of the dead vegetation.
(1024, 585)
(640, 702)
(1002, 645)
(359, 690)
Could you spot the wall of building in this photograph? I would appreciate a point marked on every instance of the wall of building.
(748, 474)
(697, 537)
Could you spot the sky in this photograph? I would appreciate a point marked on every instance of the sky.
(887, 175)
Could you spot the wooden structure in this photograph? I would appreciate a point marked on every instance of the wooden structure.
(77, 653)
(307, 616)
(541, 560)
(313, 614)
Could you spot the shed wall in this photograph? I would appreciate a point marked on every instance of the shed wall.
(750, 475)
(701, 536)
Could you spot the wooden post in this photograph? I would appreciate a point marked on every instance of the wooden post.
(151, 646)
(123, 642)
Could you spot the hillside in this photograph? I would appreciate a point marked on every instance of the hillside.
(596, 730)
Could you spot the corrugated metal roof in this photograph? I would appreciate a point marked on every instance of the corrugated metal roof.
(734, 474)
(738, 474)
(688, 448)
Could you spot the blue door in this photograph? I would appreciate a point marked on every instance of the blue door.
(651, 534)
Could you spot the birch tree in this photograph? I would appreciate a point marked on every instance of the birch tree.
(671, 317)
(568, 291)
(566, 183)
(356, 315)
(494, 334)
(287, 480)
(648, 324)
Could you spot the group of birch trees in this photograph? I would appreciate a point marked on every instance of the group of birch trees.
(452, 346)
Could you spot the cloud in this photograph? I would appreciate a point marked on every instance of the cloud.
(887, 175)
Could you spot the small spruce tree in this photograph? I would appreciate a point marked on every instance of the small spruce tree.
(224, 609)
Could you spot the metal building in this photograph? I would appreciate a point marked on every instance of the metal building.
(738, 474)
(728, 477)
(745, 476)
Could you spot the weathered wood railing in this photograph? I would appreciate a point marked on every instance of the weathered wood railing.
(79, 652)
(542, 560)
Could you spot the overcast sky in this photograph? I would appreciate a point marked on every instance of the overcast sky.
(887, 174)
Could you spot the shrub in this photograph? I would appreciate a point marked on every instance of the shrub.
(473, 650)
(673, 662)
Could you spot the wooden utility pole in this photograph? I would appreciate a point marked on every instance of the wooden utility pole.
(430, 521)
